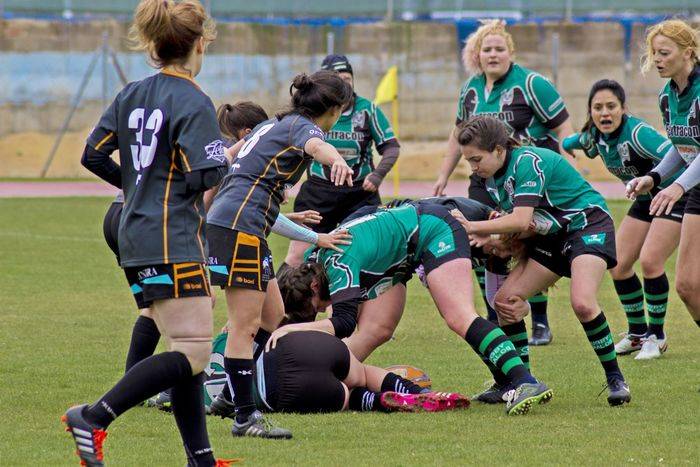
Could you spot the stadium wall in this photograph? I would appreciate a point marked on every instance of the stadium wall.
(43, 62)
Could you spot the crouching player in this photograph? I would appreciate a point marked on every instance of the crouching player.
(386, 247)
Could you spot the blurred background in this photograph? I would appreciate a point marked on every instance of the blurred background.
(62, 61)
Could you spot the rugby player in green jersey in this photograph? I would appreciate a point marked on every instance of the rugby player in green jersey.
(574, 233)
(361, 126)
(630, 147)
(528, 104)
(387, 246)
(673, 47)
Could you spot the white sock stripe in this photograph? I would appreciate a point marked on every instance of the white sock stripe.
(83, 433)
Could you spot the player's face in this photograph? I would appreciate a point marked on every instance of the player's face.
(330, 118)
(494, 56)
(606, 111)
(347, 77)
(482, 162)
(319, 304)
(669, 59)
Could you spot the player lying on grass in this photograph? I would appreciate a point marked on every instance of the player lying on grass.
(387, 246)
(630, 147)
(316, 372)
(575, 235)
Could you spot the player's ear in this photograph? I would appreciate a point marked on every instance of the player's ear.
(315, 286)
(201, 45)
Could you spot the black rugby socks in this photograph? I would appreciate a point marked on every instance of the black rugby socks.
(395, 383)
(145, 379)
(144, 339)
(632, 298)
(188, 408)
(601, 340)
(240, 373)
(656, 295)
(517, 333)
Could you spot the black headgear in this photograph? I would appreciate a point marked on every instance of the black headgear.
(337, 63)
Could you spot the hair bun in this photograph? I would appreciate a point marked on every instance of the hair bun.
(302, 82)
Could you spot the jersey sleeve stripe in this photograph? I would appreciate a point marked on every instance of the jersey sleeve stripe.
(104, 140)
(375, 121)
(537, 107)
(638, 144)
(183, 156)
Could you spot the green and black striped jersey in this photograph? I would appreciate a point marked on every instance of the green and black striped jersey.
(681, 115)
(542, 179)
(630, 151)
(353, 135)
(525, 101)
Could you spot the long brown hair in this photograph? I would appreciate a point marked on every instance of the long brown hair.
(168, 30)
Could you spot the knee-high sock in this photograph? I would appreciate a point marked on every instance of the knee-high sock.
(517, 333)
(188, 408)
(145, 379)
(632, 298)
(144, 340)
(538, 306)
(601, 340)
(488, 340)
(656, 295)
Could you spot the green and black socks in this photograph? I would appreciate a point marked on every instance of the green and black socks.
(632, 299)
(538, 308)
(656, 295)
(488, 340)
(517, 333)
(598, 333)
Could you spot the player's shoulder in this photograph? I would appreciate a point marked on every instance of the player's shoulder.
(364, 104)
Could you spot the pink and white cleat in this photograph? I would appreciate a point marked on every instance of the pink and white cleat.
(426, 402)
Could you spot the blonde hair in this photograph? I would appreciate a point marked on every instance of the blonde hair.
(472, 46)
(168, 30)
(680, 32)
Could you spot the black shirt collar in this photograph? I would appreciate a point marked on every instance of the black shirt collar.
(503, 78)
(694, 74)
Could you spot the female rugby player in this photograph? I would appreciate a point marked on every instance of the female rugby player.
(673, 48)
(574, 233)
(387, 246)
(243, 211)
(526, 102)
(171, 150)
(361, 125)
(630, 147)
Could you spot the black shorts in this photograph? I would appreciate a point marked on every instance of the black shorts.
(165, 281)
(238, 259)
(557, 252)
(303, 373)
(477, 191)
(640, 210)
(692, 205)
(334, 203)
(110, 228)
(439, 231)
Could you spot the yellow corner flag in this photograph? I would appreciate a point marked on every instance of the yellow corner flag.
(388, 91)
(388, 88)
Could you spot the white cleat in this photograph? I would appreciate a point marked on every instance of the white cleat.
(652, 347)
(630, 343)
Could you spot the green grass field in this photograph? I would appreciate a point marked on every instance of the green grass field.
(65, 321)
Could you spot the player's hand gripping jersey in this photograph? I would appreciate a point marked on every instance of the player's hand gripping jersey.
(630, 151)
(164, 127)
(525, 101)
(353, 135)
(272, 157)
(540, 178)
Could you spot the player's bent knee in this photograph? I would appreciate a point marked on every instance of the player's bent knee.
(585, 308)
(685, 289)
(651, 266)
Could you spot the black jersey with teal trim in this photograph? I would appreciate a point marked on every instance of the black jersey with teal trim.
(527, 102)
(272, 157)
(164, 126)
